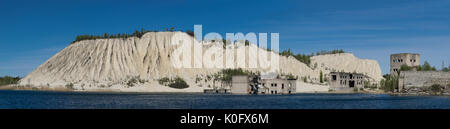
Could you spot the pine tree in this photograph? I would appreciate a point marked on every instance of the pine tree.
(321, 76)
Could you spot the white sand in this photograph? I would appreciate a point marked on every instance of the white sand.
(310, 88)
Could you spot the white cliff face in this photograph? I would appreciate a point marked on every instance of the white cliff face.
(111, 63)
(347, 62)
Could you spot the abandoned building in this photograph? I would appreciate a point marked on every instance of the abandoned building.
(256, 85)
(410, 79)
(240, 85)
(341, 81)
(278, 86)
(217, 91)
(408, 59)
(413, 78)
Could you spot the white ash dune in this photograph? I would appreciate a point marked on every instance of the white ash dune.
(347, 62)
(92, 65)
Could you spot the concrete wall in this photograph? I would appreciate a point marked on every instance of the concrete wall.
(292, 85)
(240, 85)
(280, 86)
(409, 59)
(409, 79)
(342, 80)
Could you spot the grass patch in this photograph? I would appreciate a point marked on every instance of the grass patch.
(435, 88)
(69, 86)
(177, 82)
(135, 80)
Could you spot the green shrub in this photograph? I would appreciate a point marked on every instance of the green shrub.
(287, 53)
(198, 79)
(325, 52)
(304, 58)
(367, 84)
(427, 67)
(290, 76)
(178, 83)
(190, 32)
(164, 81)
(321, 76)
(247, 43)
(436, 88)
(6, 80)
(69, 86)
(142, 81)
(136, 33)
(446, 69)
(404, 68)
(132, 81)
(389, 83)
(226, 74)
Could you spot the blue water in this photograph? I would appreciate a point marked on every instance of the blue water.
(10, 99)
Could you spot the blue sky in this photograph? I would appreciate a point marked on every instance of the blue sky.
(33, 31)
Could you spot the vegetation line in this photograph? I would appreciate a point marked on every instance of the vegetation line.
(306, 58)
(6, 80)
(136, 33)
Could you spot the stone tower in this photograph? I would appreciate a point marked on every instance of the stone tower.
(409, 59)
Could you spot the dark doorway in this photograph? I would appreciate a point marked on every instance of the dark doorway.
(351, 84)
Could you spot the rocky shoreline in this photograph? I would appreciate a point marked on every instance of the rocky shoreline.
(403, 93)
(421, 94)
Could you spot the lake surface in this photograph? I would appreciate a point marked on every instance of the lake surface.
(10, 99)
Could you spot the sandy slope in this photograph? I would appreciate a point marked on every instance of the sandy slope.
(347, 62)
